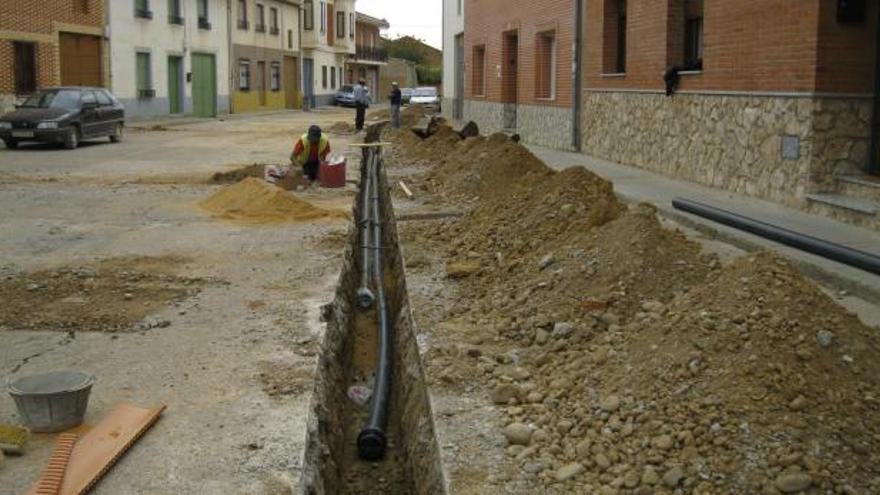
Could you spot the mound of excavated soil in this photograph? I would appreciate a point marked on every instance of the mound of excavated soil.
(256, 201)
(109, 296)
(342, 128)
(232, 176)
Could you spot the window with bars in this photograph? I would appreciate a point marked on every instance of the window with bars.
(260, 21)
(478, 81)
(275, 76)
(545, 65)
(144, 75)
(25, 67)
(308, 15)
(242, 14)
(175, 15)
(244, 75)
(273, 21)
(693, 34)
(614, 37)
(202, 10)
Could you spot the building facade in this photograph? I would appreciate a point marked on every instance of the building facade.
(369, 58)
(265, 56)
(329, 30)
(48, 43)
(170, 56)
(453, 58)
(518, 57)
(773, 98)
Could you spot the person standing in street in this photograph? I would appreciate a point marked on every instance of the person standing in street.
(396, 99)
(361, 102)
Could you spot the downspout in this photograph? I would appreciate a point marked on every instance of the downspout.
(576, 76)
(108, 34)
(874, 157)
(230, 67)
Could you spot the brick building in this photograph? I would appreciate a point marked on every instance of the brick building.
(50, 42)
(774, 99)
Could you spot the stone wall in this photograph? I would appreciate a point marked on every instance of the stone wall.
(773, 147)
(540, 125)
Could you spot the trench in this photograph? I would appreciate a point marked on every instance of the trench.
(349, 356)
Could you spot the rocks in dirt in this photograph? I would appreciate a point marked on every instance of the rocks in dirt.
(462, 269)
(562, 329)
(569, 471)
(825, 338)
(610, 404)
(518, 434)
(662, 442)
(799, 403)
(602, 461)
(505, 393)
(650, 476)
(150, 323)
(546, 261)
(673, 476)
(793, 482)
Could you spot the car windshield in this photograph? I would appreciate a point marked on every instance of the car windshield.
(64, 98)
(425, 92)
(346, 89)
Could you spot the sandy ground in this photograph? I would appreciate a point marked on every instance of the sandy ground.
(235, 364)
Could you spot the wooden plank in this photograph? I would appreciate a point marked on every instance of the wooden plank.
(406, 190)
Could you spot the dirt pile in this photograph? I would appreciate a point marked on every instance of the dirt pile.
(255, 201)
(110, 296)
(341, 128)
(238, 174)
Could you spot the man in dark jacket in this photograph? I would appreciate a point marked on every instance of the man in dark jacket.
(396, 99)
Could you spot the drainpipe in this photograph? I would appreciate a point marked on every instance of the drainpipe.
(576, 76)
(874, 158)
(230, 67)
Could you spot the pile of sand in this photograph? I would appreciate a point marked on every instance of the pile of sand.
(341, 128)
(256, 201)
(238, 174)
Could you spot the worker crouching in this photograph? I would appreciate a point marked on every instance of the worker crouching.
(310, 150)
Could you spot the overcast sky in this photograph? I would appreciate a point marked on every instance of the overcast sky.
(420, 18)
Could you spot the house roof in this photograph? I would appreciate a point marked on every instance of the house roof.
(368, 19)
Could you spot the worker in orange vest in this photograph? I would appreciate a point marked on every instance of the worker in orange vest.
(310, 150)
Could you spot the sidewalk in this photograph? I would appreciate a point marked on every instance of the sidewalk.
(638, 185)
(180, 120)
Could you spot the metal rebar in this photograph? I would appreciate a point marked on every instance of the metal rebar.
(372, 441)
(365, 296)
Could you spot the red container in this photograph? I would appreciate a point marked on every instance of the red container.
(332, 174)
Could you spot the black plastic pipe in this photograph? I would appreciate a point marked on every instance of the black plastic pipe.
(365, 296)
(830, 250)
(372, 441)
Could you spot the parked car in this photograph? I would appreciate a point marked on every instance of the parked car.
(426, 97)
(345, 96)
(65, 115)
(406, 94)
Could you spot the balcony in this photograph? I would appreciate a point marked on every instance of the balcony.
(371, 54)
(243, 24)
(274, 31)
(175, 19)
(204, 24)
(260, 28)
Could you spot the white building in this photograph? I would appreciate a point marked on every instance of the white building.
(170, 56)
(453, 58)
(328, 39)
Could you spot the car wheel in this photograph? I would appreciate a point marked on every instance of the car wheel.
(11, 143)
(118, 133)
(71, 140)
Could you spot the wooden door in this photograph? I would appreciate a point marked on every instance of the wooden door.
(291, 82)
(80, 60)
(261, 82)
(175, 84)
(204, 85)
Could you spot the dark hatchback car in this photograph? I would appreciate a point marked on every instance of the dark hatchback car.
(66, 116)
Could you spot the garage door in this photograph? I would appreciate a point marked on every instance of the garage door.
(80, 60)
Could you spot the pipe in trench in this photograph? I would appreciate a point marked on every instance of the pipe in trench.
(848, 256)
(365, 297)
(372, 441)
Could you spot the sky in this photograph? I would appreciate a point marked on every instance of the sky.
(420, 18)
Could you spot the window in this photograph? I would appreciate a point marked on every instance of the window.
(308, 15)
(244, 75)
(351, 25)
(545, 65)
(614, 37)
(260, 21)
(290, 39)
(332, 77)
(25, 67)
(144, 75)
(89, 97)
(479, 71)
(242, 14)
(340, 25)
(275, 76)
(273, 21)
(174, 13)
(323, 17)
(142, 9)
(693, 34)
(103, 99)
(202, 9)
(324, 76)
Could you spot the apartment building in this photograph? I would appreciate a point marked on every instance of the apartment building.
(329, 30)
(369, 58)
(169, 56)
(518, 57)
(773, 99)
(50, 42)
(265, 56)
(453, 58)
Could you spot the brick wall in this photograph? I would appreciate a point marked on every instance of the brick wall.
(764, 46)
(7, 77)
(486, 22)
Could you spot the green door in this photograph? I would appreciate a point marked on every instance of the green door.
(175, 84)
(204, 85)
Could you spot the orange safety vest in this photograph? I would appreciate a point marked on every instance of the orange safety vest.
(307, 148)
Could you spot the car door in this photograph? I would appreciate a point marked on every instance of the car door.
(89, 117)
(106, 113)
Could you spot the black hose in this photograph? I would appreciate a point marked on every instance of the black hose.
(830, 250)
(365, 297)
(372, 440)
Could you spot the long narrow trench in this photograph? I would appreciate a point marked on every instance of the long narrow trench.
(349, 356)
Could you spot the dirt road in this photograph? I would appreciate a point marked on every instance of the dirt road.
(224, 316)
